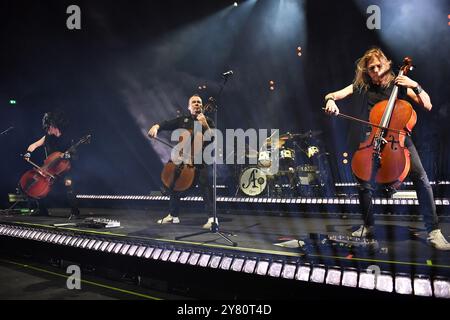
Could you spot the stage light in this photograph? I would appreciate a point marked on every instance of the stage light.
(249, 266)
(77, 243)
(441, 287)
(12, 102)
(235, 4)
(139, 252)
(204, 259)
(225, 264)
(422, 286)
(385, 282)
(275, 269)
(261, 267)
(103, 246)
(403, 284)
(69, 239)
(89, 244)
(35, 237)
(237, 265)
(98, 244)
(19, 232)
(165, 254)
(50, 239)
(215, 261)
(333, 276)
(117, 247)
(184, 256)
(193, 259)
(318, 274)
(156, 253)
(148, 252)
(174, 256)
(350, 278)
(367, 280)
(75, 240)
(303, 272)
(288, 271)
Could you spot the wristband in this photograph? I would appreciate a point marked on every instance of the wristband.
(417, 90)
(329, 98)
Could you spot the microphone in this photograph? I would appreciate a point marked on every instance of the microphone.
(227, 73)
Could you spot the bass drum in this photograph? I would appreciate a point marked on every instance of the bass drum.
(252, 181)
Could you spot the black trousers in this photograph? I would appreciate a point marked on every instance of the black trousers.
(205, 185)
(421, 184)
(60, 189)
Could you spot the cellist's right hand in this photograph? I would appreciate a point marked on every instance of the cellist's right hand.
(331, 107)
(153, 132)
(27, 156)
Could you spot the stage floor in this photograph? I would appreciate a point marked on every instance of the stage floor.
(401, 239)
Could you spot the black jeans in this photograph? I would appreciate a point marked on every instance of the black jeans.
(58, 189)
(205, 185)
(422, 186)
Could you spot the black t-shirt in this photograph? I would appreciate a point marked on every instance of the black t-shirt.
(376, 93)
(183, 122)
(54, 143)
(373, 95)
(186, 122)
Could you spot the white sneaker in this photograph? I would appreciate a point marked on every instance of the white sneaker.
(366, 232)
(168, 219)
(208, 224)
(437, 240)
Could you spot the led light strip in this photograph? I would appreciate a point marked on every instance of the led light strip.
(300, 200)
(401, 283)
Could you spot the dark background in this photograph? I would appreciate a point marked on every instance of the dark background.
(135, 63)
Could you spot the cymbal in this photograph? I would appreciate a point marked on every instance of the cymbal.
(251, 154)
(286, 136)
(307, 134)
(277, 143)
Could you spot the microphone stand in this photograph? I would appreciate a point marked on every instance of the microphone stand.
(215, 226)
(6, 131)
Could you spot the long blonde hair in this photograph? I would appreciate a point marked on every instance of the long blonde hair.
(362, 79)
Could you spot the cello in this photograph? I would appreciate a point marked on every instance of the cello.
(180, 177)
(37, 182)
(383, 157)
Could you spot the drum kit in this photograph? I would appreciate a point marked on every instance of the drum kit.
(296, 153)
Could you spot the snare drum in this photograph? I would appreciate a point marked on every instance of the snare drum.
(264, 159)
(253, 181)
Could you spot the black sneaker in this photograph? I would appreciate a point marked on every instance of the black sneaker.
(41, 213)
(74, 214)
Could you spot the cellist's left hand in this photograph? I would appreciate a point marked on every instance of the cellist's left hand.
(201, 117)
(406, 82)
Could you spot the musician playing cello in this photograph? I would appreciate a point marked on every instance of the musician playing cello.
(54, 125)
(195, 107)
(375, 80)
